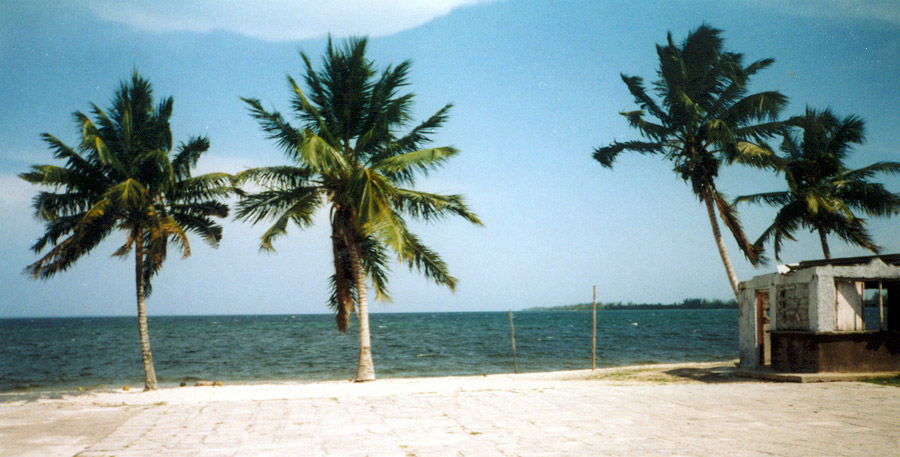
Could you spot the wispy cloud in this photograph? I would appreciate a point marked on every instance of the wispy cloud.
(277, 20)
(874, 10)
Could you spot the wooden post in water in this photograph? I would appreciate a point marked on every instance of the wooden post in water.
(512, 336)
(594, 331)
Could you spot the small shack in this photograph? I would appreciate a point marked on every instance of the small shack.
(837, 315)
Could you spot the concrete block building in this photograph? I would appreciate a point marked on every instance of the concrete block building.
(838, 315)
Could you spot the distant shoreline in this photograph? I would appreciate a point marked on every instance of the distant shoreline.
(600, 306)
(690, 303)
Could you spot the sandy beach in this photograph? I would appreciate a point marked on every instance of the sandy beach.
(658, 410)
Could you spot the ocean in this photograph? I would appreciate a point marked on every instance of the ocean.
(64, 354)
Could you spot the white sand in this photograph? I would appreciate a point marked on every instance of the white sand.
(639, 411)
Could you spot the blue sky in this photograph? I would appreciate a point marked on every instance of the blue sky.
(536, 87)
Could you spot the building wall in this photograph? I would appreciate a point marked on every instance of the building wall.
(823, 297)
(838, 352)
(803, 300)
(792, 309)
(747, 324)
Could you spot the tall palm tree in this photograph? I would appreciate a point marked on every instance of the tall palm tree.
(823, 193)
(124, 175)
(704, 118)
(348, 156)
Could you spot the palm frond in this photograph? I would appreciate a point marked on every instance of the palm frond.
(55, 229)
(204, 187)
(278, 176)
(50, 206)
(423, 160)
(321, 156)
(787, 221)
(756, 107)
(760, 133)
(429, 206)
(352, 156)
(373, 196)
(755, 155)
(864, 173)
(121, 177)
(394, 233)
(201, 225)
(286, 136)
(871, 198)
(171, 229)
(607, 155)
(649, 130)
(303, 106)
(129, 194)
(84, 237)
(768, 198)
(847, 132)
(730, 217)
(301, 213)
(187, 156)
(635, 86)
(412, 141)
(274, 203)
(375, 263)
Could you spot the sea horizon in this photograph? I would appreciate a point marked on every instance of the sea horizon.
(548, 309)
(87, 352)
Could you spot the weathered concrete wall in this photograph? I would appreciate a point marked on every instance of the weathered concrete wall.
(823, 314)
(804, 300)
(749, 349)
(836, 352)
(822, 295)
(791, 306)
(748, 330)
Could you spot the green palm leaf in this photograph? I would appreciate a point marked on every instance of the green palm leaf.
(124, 176)
(704, 118)
(423, 160)
(823, 195)
(349, 153)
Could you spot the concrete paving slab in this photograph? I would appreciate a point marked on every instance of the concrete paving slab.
(561, 414)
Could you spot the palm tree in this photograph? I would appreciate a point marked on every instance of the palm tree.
(704, 118)
(822, 193)
(121, 177)
(349, 157)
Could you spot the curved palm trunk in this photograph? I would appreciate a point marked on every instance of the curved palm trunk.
(825, 250)
(365, 369)
(146, 356)
(717, 234)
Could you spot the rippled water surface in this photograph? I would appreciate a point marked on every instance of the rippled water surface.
(59, 354)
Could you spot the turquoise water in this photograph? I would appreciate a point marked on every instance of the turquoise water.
(63, 354)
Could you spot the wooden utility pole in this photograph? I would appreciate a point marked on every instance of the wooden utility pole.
(512, 336)
(594, 331)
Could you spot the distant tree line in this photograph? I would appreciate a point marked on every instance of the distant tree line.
(687, 303)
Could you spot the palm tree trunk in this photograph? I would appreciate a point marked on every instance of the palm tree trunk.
(365, 369)
(824, 241)
(729, 269)
(146, 356)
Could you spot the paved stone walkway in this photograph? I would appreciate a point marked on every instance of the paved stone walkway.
(541, 418)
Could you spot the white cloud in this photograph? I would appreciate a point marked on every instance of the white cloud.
(876, 10)
(277, 20)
